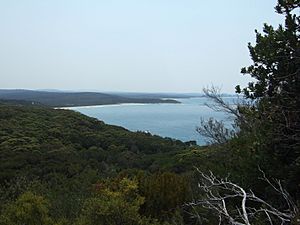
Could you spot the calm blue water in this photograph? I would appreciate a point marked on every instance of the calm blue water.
(177, 121)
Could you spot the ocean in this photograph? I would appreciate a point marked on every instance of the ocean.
(178, 121)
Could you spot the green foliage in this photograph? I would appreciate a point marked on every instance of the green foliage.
(275, 114)
(38, 141)
(60, 154)
(276, 57)
(116, 202)
(164, 193)
(268, 134)
(29, 209)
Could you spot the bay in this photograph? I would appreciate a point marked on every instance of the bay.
(178, 121)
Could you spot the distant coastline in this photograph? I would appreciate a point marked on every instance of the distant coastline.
(76, 99)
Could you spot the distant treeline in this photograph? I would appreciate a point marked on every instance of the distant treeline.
(69, 99)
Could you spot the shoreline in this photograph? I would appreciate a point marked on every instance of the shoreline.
(112, 105)
(102, 106)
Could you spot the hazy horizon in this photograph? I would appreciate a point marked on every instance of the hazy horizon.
(133, 46)
(113, 92)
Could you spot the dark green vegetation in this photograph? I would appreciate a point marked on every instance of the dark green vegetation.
(267, 135)
(59, 158)
(67, 99)
(31, 135)
(275, 116)
(60, 167)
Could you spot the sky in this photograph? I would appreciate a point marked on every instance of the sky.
(132, 45)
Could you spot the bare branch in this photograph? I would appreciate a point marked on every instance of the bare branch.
(222, 194)
(215, 131)
(214, 93)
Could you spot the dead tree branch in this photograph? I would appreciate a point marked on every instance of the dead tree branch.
(236, 206)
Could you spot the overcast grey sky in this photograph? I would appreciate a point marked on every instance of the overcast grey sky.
(128, 45)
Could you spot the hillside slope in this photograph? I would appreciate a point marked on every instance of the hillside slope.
(39, 141)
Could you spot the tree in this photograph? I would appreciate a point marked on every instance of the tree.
(269, 126)
(116, 202)
(164, 193)
(276, 57)
(276, 70)
(275, 94)
(29, 209)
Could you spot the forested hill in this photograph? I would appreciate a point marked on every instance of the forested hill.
(69, 99)
(39, 141)
(61, 155)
